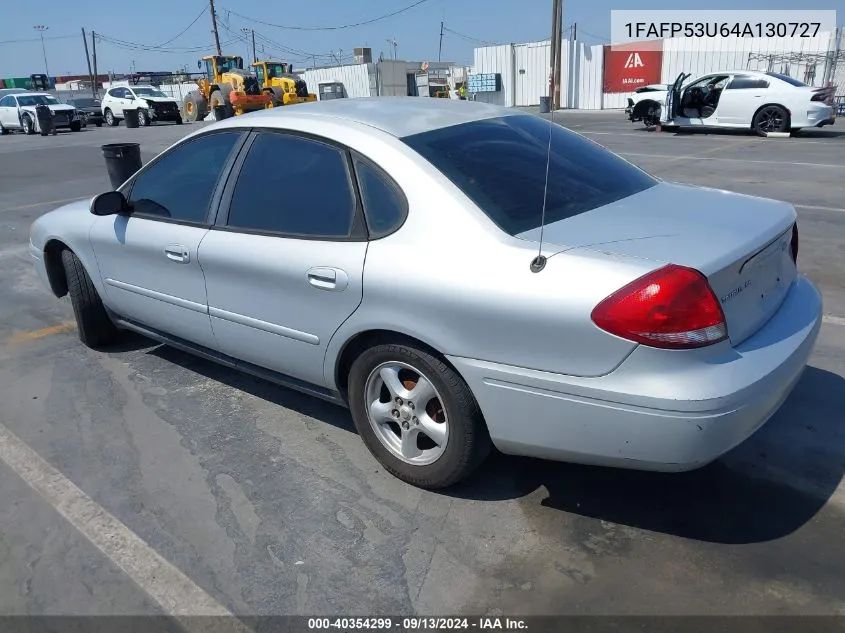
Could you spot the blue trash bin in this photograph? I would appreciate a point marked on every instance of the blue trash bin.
(544, 105)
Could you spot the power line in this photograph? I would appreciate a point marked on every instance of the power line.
(134, 46)
(183, 31)
(466, 37)
(330, 28)
(38, 39)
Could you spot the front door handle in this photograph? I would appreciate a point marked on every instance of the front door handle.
(177, 253)
(326, 278)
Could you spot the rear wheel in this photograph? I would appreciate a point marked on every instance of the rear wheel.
(110, 120)
(416, 415)
(93, 323)
(770, 118)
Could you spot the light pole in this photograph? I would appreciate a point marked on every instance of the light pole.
(41, 28)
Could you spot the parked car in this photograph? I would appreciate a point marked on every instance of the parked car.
(90, 110)
(761, 101)
(663, 325)
(152, 105)
(18, 112)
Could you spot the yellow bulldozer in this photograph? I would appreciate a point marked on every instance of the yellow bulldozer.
(278, 80)
(225, 83)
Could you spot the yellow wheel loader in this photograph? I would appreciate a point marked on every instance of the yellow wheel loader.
(225, 83)
(278, 80)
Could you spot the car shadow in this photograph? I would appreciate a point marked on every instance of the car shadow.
(764, 489)
(805, 133)
(311, 406)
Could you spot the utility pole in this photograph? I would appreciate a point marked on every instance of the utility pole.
(88, 60)
(556, 63)
(554, 47)
(440, 48)
(41, 28)
(96, 76)
(254, 56)
(574, 31)
(214, 28)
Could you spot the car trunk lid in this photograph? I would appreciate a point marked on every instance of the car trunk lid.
(740, 243)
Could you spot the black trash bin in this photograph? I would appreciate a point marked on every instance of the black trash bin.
(122, 160)
(544, 105)
(221, 112)
(45, 120)
(130, 117)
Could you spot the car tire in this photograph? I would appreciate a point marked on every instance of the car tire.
(467, 442)
(178, 120)
(770, 118)
(195, 106)
(76, 126)
(28, 125)
(95, 328)
(111, 121)
(3, 131)
(143, 118)
(99, 124)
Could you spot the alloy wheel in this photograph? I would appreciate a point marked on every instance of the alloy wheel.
(406, 412)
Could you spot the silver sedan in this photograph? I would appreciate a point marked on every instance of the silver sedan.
(460, 275)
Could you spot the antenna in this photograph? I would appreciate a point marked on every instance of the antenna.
(539, 262)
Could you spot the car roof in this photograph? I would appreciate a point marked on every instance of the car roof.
(398, 116)
(33, 94)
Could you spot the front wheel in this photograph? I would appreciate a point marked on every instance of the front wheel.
(28, 125)
(92, 321)
(416, 415)
(770, 118)
(143, 118)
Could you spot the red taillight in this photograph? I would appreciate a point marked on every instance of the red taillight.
(673, 307)
(794, 244)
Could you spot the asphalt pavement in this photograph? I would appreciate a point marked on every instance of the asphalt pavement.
(143, 480)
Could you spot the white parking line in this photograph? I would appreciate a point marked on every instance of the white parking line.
(813, 206)
(41, 204)
(733, 160)
(176, 594)
(833, 320)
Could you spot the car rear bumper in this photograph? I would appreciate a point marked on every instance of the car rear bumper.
(659, 410)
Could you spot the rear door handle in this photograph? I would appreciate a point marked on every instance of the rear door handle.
(326, 278)
(177, 253)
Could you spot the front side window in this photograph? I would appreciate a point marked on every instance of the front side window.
(309, 194)
(179, 185)
(500, 164)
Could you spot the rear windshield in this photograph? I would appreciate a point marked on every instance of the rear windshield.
(501, 165)
(788, 79)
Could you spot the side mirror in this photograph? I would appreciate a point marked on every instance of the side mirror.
(109, 203)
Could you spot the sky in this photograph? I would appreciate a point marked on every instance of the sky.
(129, 33)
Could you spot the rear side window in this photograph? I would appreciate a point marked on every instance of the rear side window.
(501, 165)
(788, 79)
(385, 206)
(294, 185)
(742, 82)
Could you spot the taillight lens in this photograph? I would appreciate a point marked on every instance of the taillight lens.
(673, 308)
(794, 244)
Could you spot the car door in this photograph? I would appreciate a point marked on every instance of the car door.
(117, 101)
(740, 100)
(148, 257)
(8, 112)
(284, 262)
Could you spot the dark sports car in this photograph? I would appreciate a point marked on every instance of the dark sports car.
(89, 109)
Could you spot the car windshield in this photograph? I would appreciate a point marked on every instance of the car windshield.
(500, 164)
(225, 64)
(34, 100)
(788, 79)
(148, 92)
(85, 103)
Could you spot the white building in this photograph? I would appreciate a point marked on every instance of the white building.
(524, 68)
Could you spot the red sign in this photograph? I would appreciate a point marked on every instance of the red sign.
(627, 67)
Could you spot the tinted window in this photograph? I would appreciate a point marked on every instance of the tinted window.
(84, 103)
(7, 102)
(742, 82)
(787, 79)
(384, 204)
(180, 184)
(118, 92)
(34, 100)
(291, 184)
(501, 165)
